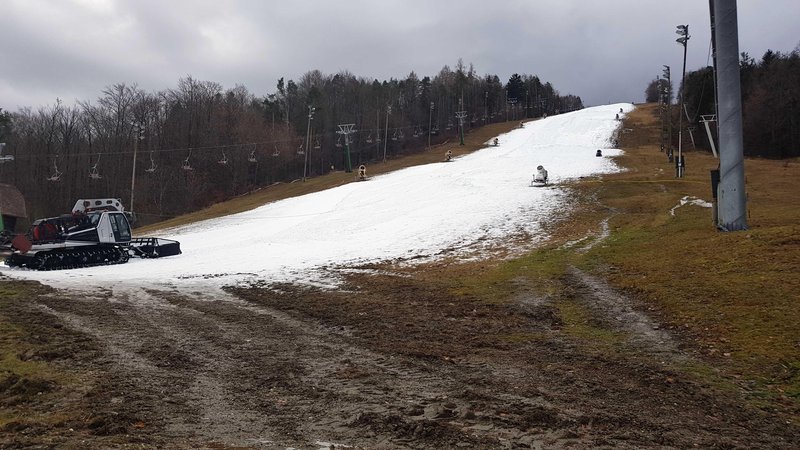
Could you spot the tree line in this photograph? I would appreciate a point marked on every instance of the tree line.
(770, 103)
(198, 143)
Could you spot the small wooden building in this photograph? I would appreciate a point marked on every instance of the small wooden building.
(12, 207)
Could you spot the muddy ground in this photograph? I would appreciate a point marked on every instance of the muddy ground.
(392, 360)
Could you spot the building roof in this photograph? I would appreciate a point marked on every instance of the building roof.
(11, 201)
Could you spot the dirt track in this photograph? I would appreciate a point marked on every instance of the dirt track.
(391, 361)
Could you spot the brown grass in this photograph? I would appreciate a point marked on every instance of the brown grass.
(736, 293)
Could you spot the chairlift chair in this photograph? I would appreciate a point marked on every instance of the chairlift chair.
(300, 150)
(339, 142)
(400, 135)
(252, 157)
(56, 176)
(369, 139)
(317, 144)
(394, 135)
(276, 153)
(186, 165)
(224, 160)
(94, 173)
(152, 167)
(4, 158)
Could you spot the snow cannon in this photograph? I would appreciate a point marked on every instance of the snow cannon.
(540, 177)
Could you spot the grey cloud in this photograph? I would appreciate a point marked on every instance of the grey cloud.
(602, 51)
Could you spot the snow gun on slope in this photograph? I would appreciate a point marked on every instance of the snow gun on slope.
(97, 232)
(540, 177)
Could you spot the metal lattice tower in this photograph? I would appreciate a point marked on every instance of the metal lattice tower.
(346, 129)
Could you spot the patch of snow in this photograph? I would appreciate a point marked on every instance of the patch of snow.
(475, 204)
(689, 200)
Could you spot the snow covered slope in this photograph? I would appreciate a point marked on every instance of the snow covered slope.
(461, 207)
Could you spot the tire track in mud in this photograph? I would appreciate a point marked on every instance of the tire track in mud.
(213, 368)
(619, 313)
(205, 368)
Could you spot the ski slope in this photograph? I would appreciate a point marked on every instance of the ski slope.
(462, 208)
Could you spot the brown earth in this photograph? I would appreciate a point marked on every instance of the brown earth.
(448, 355)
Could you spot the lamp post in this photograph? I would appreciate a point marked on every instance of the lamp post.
(430, 122)
(308, 131)
(683, 31)
(668, 102)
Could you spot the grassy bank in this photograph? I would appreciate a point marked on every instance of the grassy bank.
(735, 293)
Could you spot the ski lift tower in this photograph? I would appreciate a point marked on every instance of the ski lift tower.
(732, 200)
(346, 130)
(461, 115)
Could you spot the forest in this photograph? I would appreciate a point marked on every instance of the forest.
(199, 143)
(770, 104)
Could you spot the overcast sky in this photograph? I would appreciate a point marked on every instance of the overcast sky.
(604, 51)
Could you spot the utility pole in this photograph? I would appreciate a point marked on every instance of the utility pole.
(430, 122)
(730, 191)
(311, 110)
(377, 132)
(346, 129)
(506, 95)
(485, 106)
(526, 103)
(683, 31)
(138, 134)
(386, 136)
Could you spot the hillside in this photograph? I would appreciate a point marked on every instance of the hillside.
(627, 327)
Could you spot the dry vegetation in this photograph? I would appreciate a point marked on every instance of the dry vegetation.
(735, 294)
